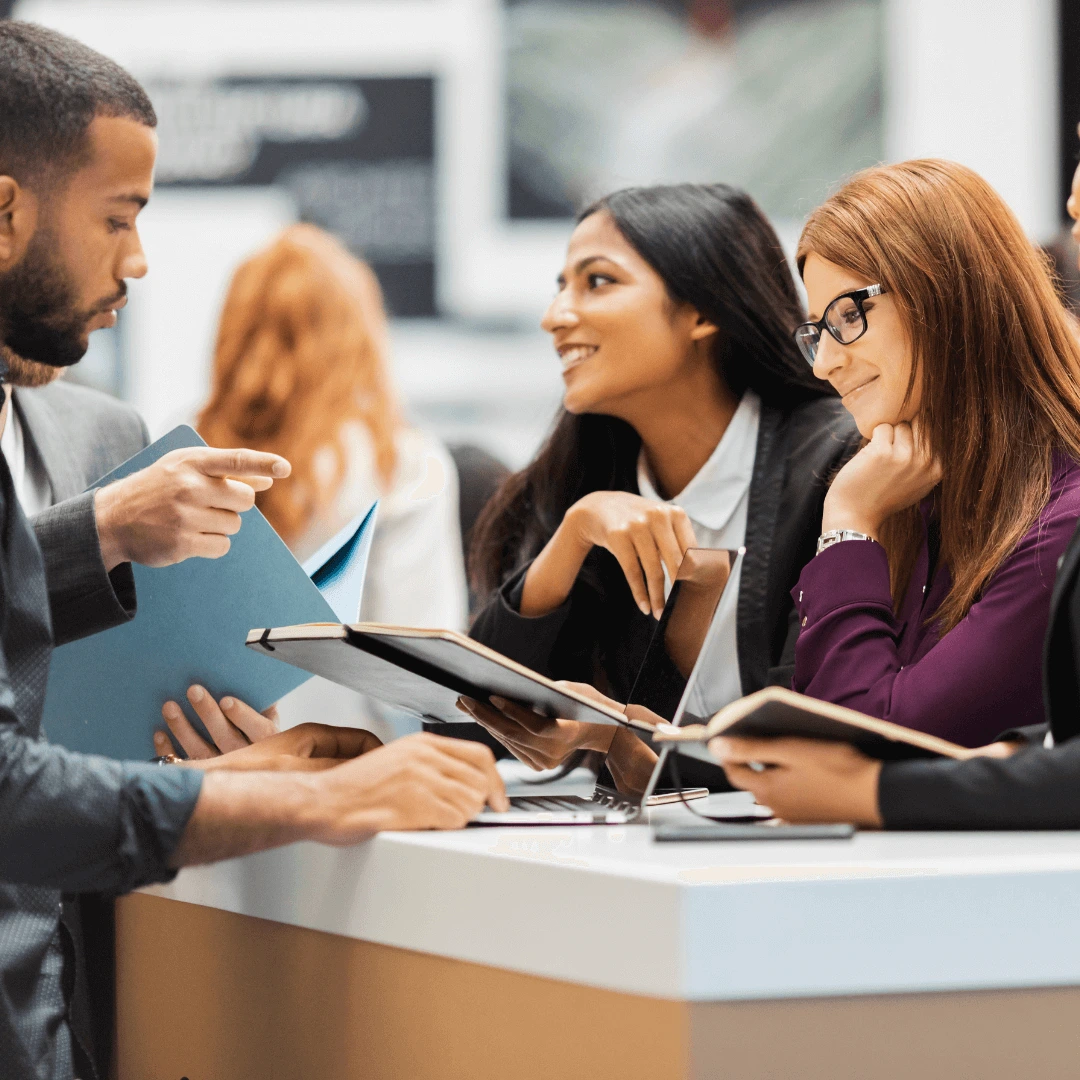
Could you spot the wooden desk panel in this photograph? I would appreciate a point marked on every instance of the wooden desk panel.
(209, 995)
(205, 994)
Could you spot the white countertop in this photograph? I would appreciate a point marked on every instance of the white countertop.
(609, 907)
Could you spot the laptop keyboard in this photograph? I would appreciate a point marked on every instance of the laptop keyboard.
(574, 803)
(552, 802)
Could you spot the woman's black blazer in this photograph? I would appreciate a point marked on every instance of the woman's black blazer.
(599, 635)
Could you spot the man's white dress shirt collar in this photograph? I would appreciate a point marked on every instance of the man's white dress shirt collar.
(31, 482)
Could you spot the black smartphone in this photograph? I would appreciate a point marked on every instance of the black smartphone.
(680, 833)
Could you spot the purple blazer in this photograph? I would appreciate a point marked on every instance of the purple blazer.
(983, 677)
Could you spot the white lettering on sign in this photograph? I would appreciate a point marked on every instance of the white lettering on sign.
(213, 131)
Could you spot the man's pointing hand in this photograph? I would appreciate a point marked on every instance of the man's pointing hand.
(187, 504)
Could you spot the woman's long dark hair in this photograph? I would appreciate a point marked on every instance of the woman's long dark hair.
(714, 250)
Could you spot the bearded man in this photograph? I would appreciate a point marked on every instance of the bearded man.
(77, 152)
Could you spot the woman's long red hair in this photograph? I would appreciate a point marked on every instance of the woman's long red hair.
(992, 345)
(300, 352)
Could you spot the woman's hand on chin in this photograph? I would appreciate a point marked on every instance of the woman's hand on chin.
(893, 471)
(804, 780)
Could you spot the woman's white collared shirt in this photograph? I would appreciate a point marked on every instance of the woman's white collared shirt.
(716, 502)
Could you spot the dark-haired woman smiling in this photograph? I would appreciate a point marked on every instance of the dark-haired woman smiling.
(689, 418)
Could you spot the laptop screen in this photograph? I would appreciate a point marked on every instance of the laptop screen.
(672, 661)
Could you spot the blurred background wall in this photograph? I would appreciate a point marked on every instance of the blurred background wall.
(450, 142)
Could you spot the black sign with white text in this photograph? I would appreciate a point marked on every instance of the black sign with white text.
(356, 155)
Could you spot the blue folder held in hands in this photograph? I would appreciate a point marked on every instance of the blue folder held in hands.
(105, 692)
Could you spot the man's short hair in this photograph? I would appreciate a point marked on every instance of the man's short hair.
(51, 89)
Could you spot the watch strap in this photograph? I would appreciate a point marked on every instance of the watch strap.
(837, 536)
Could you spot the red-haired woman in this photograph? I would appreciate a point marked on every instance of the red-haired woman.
(300, 364)
(941, 327)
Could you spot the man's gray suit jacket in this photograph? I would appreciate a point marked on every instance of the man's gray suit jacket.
(78, 435)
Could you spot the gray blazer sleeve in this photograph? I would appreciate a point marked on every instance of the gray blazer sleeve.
(69, 821)
(87, 824)
(84, 598)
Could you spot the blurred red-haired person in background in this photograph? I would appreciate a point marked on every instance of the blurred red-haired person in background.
(301, 366)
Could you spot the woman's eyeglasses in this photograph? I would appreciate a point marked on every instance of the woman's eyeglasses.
(844, 318)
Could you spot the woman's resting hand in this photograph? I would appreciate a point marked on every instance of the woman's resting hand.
(304, 748)
(646, 537)
(545, 743)
(892, 471)
(540, 741)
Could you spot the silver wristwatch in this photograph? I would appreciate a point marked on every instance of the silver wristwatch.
(826, 540)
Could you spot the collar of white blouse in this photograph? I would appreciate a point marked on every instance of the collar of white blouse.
(714, 494)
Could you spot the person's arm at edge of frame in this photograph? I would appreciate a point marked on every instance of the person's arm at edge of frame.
(1007, 786)
(1034, 788)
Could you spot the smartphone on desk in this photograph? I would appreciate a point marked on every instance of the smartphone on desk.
(728, 831)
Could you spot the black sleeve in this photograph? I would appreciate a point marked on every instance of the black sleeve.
(530, 641)
(84, 598)
(783, 671)
(598, 636)
(1032, 735)
(560, 645)
(1036, 788)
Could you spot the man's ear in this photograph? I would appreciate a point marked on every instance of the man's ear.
(703, 329)
(18, 221)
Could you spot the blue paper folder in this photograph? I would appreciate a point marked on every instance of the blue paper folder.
(105, 692)
(339, 566)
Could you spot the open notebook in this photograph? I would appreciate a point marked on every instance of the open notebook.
(774, 712)
(425, 671)
(421, 672)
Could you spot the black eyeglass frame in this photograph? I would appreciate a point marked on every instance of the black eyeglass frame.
(858, 296)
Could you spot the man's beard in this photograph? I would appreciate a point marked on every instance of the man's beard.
(41, 329)
(28, 373)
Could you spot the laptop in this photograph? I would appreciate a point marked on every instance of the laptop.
(663, 687)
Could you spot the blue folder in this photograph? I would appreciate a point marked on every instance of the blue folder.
(105, 692)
